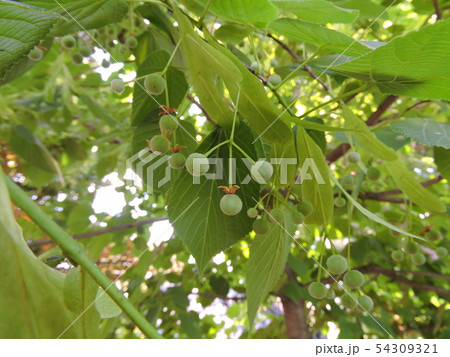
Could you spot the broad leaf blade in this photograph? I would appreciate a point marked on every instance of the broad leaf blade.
(442, 161)
(425, 131)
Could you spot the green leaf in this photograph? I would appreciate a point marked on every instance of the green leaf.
(78, 220)
(318, 35)
(426, 131)
(414, 65)
(316, 188)
(442, 161)
(318, 11)
(367, 8)
(32, 303)
(84, 14)
(106, 306)
(268, 255)
(21, 28)
(98, 110)
(194, 209)
(146, 107)
(365, 137)
(406, 181)
(233, 33)
(255, 12)
(179, 297)
(190, 324)
(79, 295)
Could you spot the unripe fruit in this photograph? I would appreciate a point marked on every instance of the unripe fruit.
(373, 173)
(365, 302)
(231, 204)
(261, 226)
(155, 84)
(110, 44)
(340, 201)
(256, 66)
(168, 123)
(411, 248)
(105, 63)
(298, 218)
(433, 235)
(276, 215)
(441, 252)
(274, 63)
(274, 80)
(123, 49)
(77, 58)
(68, 42)
(305, 207)
(85, 51)
(337, 264)
(261, 171)
(252, 212)
(331, 294)
(35, 54)
(177, 160)
(353, 279)
(317, 290)
(348, 180)
(197, 164)
(354, 157)
(397, 255)
(131, 42)
(117, 86)
(349, 301)
(418, 259)
(159, 144)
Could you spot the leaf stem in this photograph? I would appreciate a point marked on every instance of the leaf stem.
(210, 151)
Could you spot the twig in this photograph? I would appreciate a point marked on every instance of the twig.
(205, 113)
(437, 9)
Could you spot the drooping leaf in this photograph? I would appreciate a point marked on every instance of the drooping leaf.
(106, 306)
(233, 33)
(318, 35)
(318, 11)
(414, 65)
(32, 303)
(426, 131)
(442, 161)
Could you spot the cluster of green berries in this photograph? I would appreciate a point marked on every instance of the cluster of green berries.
(80, 49)
(413, 249)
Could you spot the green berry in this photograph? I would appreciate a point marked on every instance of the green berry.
(131, 42)
(298, 218)
(274, 80)
(353, 279)
(441, 252)
(410, 248)
(317, 290)
(256, 66)
(373, 173)
(274, 63)
(168, 123)
(117, 86)
(354, 157)
(68, 42)
(159, 144)
(155, 84)
(340, 201)
(123, 49)
(337, 264)
(418, 259)
(105, 63)
(261, 171)
(397, 255)
(276, 215)
(305, 207)
(349, 301)
(252, 212)
(85, 51)
(433, 235)
(77, 58)
(261, 226)
(35, 54)
(110, 44)
(197, 164)
(365, 302)
(231, 204)
(348, 180)
(331, 294)
(177, 160)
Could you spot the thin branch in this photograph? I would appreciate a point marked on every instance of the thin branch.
(205, 113)
(437, 9)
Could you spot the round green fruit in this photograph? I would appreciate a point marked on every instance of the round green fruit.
(77, 58)
(348, 180)
(340, 201)
(354, 157)
(155, 84)
(441, 252)
(317, 290)
(365, 302)
(177, 160)
(418, 259)
(105, 63)
(353, 279)
(331, 294)
(35, 54)
(433, 235)
(252, 212)
(276, 215)
(274, 80)
(305, 208)
(256, 66)
(85, 51)
(261, 171)
(337, 264)
(261, 226)
(117, 86)
(349, 301)
(231, 204)
(373, 173)
(168, 123)
(397, 255)
(159, 144)
(123, 49)
(298, 218)
(410, 248)
(68, 42)
(131, 42)
(197, 164)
